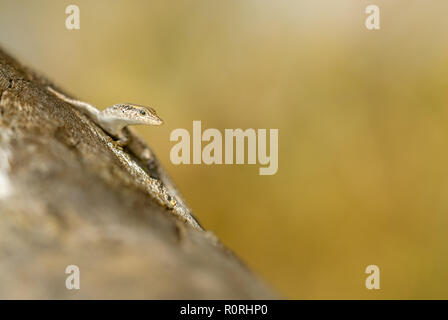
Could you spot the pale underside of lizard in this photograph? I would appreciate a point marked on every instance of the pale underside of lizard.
(115, 121)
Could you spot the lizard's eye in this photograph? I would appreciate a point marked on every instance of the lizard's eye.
(142, 112)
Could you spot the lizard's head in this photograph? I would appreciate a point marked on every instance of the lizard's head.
(139, 114)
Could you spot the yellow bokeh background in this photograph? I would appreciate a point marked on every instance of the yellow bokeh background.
(362, 118)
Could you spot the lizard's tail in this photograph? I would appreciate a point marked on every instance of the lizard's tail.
(83, 106)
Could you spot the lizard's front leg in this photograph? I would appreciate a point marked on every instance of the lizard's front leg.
(123, 139)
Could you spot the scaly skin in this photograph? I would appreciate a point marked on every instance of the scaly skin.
(115, 118)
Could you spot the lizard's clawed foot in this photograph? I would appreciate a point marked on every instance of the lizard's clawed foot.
(118, 146)
(122, 141)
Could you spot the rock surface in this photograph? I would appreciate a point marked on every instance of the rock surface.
(67, 197)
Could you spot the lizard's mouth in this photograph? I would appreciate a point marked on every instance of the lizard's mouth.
(157, 121)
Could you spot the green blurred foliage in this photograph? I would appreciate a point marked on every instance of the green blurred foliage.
(363, 175)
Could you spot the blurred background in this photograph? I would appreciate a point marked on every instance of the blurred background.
(363, 140)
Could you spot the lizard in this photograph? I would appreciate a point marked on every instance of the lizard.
(115, 121)
(115, 118)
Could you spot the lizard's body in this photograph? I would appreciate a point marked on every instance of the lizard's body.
(114, 120)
